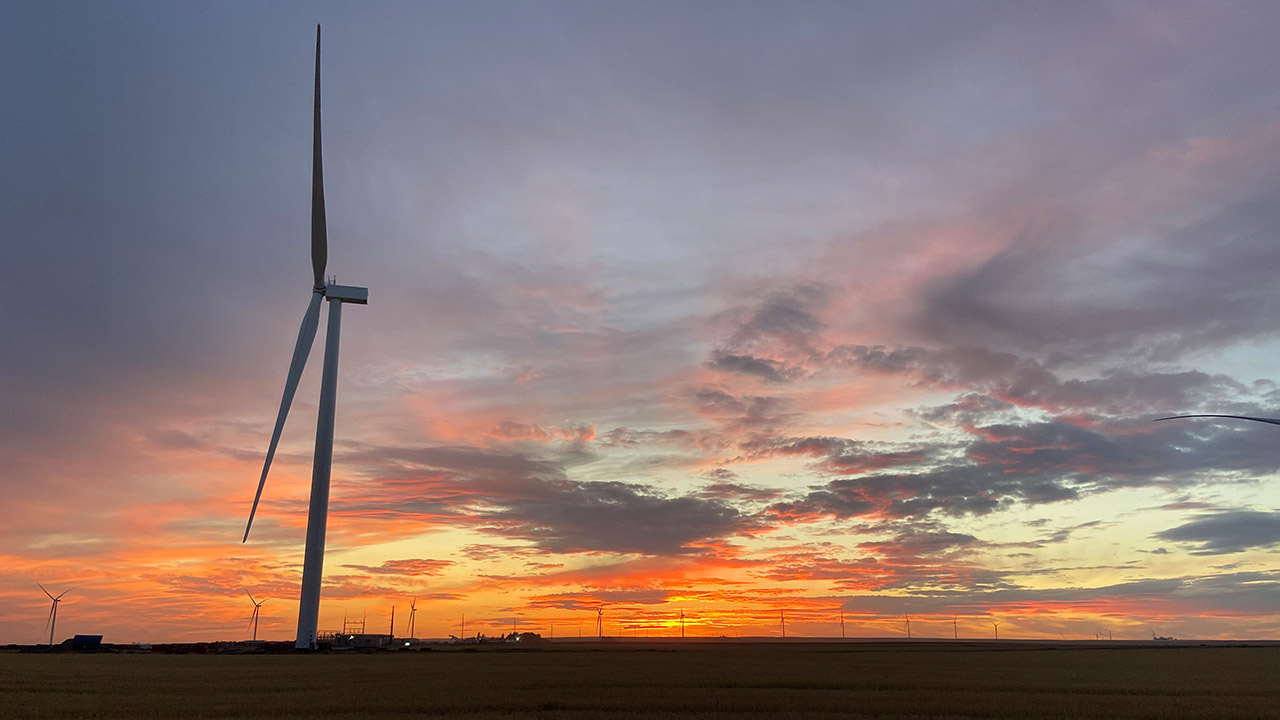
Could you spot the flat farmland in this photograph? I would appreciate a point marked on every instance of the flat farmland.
(660, 680)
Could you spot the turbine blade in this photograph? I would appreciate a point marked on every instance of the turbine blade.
(64, 592)
(319, 235)
(46, 592)
(1269, 421)
(306, 335)
(255, 602)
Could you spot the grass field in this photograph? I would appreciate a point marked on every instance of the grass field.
(694, 680)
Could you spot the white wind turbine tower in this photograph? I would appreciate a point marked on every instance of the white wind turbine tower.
(317, 517)
(52, 622)
(253, 621)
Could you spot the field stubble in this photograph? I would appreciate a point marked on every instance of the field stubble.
(658, 681)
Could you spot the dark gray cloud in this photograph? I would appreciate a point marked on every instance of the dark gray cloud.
(739, 411)
(1030, 463)
(1226, 531)
(1006, 378)
(407, 567)
(770, 371)
(530, 498)
(1226, 594)
(1197, 286)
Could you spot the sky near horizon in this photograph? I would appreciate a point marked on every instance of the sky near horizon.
(735, 309)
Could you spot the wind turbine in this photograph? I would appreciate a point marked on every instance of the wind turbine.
(52, 622)
(996, 625)
(600, 622)
(253, 621)
(681, 622)
(842, 623)
(1269, 421)
(907, 619)
(782, 621)
(413, 610)
(955, 628)
(317, 517)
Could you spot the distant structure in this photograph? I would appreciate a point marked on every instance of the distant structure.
(318, 513)
(955, 628)
(253, 621)
(86, 643)
(841, 623)
(413, 610)
(996, 625)
(600, 622)
(52, 622)
(681, 622)
(782, 621)
(907, 619)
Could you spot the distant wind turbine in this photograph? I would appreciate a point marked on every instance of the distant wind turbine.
(253, 621)
(782, 620)
(908, 623)
(413, 610)
(317, 517)
(842, 623)
(955, 628)
(600, 622)
(996, 625)
(52, 622)
(681, 622)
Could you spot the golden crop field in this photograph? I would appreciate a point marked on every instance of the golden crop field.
(660, 680)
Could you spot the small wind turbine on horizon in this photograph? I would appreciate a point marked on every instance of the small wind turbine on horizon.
(253, 621)
(996, 625)
(907, 618)
(842, 623)
(52, 622)
(681, 622)
(600, 622)
(318, 513)
(413, 610)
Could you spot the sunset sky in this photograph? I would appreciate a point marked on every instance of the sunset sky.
(732, 308)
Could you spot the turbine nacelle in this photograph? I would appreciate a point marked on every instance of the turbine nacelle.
(347, 293)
